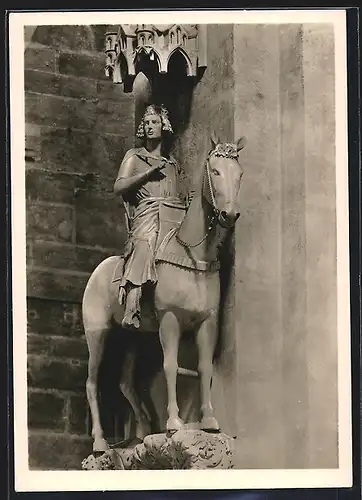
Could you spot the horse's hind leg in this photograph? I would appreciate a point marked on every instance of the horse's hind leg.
(97, 318)
(127, 387)
(170, 338)
(206, 339)
(95, 340)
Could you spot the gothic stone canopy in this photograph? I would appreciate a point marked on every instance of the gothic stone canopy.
(157, 42)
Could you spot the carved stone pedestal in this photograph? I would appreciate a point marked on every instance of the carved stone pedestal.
(185, 449)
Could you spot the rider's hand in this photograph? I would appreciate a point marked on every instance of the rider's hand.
(156, 172)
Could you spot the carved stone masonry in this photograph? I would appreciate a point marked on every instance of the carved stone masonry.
(185, 449)
(157, 42)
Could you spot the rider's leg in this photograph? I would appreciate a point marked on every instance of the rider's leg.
(139, 270)
(132, 309)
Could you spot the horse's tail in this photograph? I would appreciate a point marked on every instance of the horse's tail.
(97, 297)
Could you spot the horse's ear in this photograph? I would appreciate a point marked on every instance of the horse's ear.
(240, 143)
(214, 139)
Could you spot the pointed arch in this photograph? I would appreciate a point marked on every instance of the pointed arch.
(123, 63)
(180, 50)
(152, 54)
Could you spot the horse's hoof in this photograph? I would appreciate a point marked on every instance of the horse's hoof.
(100, 445)
(174, 424)
(210, 424)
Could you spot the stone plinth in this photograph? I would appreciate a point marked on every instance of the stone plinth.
(185, 449)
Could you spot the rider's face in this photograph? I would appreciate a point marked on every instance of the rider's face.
(153, 126)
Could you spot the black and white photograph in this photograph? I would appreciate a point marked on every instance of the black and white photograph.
(180, 250)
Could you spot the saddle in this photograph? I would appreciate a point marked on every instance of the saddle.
(171, 215)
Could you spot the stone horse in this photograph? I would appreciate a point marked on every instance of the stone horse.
(186, 297)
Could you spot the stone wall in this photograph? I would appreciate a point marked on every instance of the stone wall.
(78, 126)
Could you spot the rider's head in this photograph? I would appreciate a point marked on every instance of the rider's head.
(155, 120)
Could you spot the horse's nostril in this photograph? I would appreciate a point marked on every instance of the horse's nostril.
(237, 215)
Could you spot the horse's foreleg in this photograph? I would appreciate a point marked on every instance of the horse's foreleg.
(95, 340)
(127, 387)
(170, 338)
(206, 339)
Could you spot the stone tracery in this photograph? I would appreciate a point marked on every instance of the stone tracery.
(124, 48)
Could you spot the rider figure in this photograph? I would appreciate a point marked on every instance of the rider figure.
(147, 176)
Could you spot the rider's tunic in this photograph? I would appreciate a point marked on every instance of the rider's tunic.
(142, 214)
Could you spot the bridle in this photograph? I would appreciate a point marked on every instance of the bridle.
(211, 200)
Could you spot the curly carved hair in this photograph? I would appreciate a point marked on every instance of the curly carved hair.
(161, 111)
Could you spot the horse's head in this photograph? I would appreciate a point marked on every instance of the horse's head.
(222, 179)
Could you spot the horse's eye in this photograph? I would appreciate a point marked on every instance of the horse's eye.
(215, 172)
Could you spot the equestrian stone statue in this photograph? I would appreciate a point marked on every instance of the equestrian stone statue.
(172, 250)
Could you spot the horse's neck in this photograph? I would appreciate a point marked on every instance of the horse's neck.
(195, 227)
(193, 224)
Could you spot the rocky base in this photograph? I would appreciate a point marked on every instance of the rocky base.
(185, 449)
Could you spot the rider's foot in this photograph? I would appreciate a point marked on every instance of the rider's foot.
(131, 320)
(136, 320)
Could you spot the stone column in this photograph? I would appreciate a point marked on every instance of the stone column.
(258, 248)
(321, 300)
(285, 268)
(293, 237)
